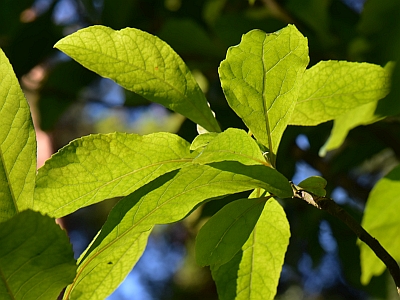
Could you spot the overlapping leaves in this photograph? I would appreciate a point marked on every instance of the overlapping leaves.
(167, 199)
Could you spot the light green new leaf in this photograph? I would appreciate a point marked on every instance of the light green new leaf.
(167, 199)
(36, 258)
(144, 64)
(361, 115)
(202, 140)
(332, 88)
(253, 274)
(103, 166)
(17, 145)
(225, 233)
(261, 77)
(381, 220)
(233, 144)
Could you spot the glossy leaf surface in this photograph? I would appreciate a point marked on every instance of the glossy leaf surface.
(144, 64)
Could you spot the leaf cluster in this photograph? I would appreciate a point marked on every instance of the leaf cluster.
(162, 177)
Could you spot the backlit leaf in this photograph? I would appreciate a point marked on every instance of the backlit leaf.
(102, 166)
(261, 77)
(332, 88)
(167, 199)
(382, 222)
(202, 140)
(253, 274)
(362, 115)
(144, 64)
(36, 258)
(225, 232)
(17, 145)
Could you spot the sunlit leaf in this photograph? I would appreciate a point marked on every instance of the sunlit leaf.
(167, 199)
(202, 140)
(102, 166)
(261, 77)
(225, 233)
(17, 145)
(332, 88)
(382, 222)
(142, 63)
(36, 258)
(361, 115)
(233, 144)
(253, 274)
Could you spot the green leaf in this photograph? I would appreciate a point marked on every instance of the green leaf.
(332, 88)
(167, 199)
(225, 233)
(361, 115)
(144, 64)
(36, 258)
(382, 222)
(202, 140)
(261, 77)
(102, 166)
(255, 270)
(315, 185)
(233, 144)
(17, 145)
(273, 181)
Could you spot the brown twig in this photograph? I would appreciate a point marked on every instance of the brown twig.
(330, 206)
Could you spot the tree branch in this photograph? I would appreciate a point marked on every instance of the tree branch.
(330, 206)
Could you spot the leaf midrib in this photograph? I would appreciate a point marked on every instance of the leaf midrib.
(152, 74)
(253, 206)
(119, 178)
(8, 180)
(154, 210)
